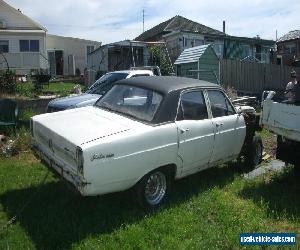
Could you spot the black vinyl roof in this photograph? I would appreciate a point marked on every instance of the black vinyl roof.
(166, 84)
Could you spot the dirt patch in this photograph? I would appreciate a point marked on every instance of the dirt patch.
(269, 143)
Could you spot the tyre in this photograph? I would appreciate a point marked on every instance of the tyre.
(253, 155)
(153, 189)
(280, 148)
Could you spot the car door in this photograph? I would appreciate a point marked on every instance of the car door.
(229, 127)
(195, 132)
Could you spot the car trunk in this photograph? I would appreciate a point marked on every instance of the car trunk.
(59, 134)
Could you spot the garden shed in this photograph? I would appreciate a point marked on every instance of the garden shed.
(200, 62)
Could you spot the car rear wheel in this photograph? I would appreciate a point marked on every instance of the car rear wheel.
(153, 189)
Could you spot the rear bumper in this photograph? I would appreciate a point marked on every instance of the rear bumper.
(73, 180)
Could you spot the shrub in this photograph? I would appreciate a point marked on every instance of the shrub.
(23, 140)
(7, 82)
(158, 57)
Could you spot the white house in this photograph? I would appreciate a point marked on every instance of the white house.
(26, 46)
(68, 54)
(22, 41)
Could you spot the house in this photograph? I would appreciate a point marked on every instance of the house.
(26, 46)
(200, 62)
(68, 55)
(22, 41)
(180, 33)
(288, 49)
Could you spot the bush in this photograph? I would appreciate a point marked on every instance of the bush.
(159, 58)
(27, 114)
(23, 140)
(16, 143)
(25, 89)
(7, 82)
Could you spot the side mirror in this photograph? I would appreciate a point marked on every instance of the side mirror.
(239, 111)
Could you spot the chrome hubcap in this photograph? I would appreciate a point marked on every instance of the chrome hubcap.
(156, 187)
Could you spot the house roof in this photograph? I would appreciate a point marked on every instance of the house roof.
(23, 15)
(177, 23)
(294, 34)
(192, 54)
(73, 38)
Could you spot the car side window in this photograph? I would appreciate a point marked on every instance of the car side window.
(220, 105)
(192, 106)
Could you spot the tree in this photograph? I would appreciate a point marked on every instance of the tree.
(159, 58)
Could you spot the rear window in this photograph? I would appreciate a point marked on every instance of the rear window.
(132, 101)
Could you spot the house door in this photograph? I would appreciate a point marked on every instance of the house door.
(56, 62)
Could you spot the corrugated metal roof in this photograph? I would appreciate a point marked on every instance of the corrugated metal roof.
(192, 54)
(294, 34)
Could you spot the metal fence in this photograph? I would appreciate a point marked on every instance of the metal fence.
(253, 78)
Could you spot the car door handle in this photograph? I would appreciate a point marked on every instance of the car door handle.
(183, 130)
(218, 124)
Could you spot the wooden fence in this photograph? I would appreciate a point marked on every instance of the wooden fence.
(253, 78)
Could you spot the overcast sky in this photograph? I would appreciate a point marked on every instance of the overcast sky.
(113, 20)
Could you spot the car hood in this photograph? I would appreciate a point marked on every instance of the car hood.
(82, 125)
(74, 101)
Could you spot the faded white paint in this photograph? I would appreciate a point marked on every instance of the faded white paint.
(281, 118)
(14, 19)
(118, 151)
(18, 26)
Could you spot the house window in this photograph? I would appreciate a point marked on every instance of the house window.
(90, 49)
(290, 48)
(29, 46)
(280, 48)
(3, 46)
(199, 42)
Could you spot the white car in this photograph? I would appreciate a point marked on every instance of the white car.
(143, 134)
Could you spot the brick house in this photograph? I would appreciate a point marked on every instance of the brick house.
(288, 49)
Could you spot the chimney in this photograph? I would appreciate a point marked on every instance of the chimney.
(223, 26)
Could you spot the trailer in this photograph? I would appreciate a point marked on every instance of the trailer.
(283, 119)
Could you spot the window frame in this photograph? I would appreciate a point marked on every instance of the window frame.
(180, 108)
(88, 51)
(30, 49)
(5, 45)
(227, 102)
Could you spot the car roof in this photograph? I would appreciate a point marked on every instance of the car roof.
(167, 84)
(137, 71)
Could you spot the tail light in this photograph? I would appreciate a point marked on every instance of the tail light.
(79, 156)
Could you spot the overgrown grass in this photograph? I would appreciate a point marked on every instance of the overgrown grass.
(60, 88)
(205, 211)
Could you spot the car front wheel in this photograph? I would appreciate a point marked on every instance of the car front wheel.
(153, 189)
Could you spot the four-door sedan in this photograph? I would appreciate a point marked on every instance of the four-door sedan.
(143, 134)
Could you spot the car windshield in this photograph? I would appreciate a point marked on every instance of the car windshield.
(132, 101)
(104, 83)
